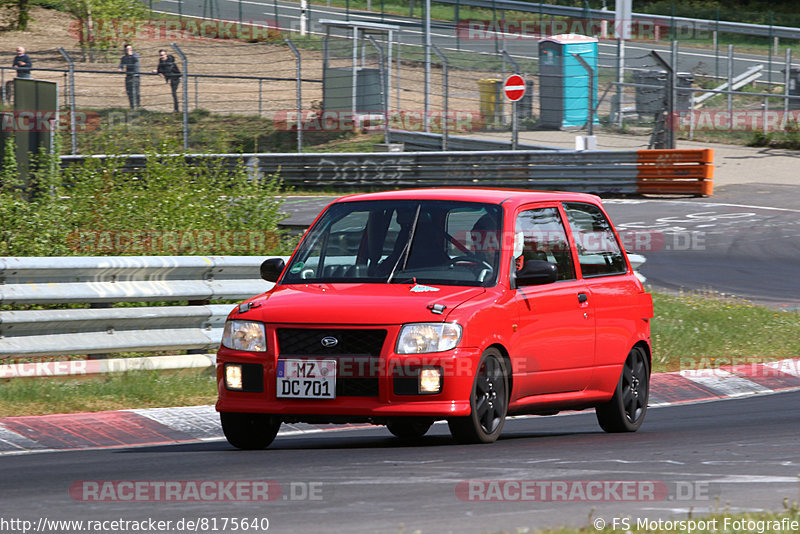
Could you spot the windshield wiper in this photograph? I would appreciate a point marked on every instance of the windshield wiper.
(406, 248)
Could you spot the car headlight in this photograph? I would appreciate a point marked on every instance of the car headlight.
(418, 338)
(245, 335)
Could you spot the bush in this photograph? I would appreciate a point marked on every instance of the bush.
(98, 209)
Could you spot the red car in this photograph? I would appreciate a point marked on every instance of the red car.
(406, 307)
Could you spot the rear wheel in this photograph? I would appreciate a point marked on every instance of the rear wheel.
(409, 428)
(626, 409)
(249, 431)
(489, 402)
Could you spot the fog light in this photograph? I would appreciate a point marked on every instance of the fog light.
(430, 380)
(233, 376)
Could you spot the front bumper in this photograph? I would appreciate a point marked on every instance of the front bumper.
(388, 394)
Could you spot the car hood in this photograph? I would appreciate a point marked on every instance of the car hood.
(356, 303)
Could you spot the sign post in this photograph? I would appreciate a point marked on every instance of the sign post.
(514, 90)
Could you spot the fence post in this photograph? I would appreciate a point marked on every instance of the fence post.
(729, 90)
(303, 19)
(620, 80)
(673, 89)
(445, 91)
(296, 53)
(427, 118)
(669, 90)
(769, 46)
(384, 88)
(185, 80)
(787, 79)
(71, 88)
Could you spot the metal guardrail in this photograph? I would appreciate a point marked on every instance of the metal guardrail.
(423, 142)
(120, 279)
(741, 28)
(589, 171)
(68, 280)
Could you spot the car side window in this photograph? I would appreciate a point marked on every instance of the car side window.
(545, 239)
(599, 252)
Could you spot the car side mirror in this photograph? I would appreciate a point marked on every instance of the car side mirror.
(272, 268)
(536, 273)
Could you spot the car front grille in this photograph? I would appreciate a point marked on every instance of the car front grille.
(308, 342)
(357, 352)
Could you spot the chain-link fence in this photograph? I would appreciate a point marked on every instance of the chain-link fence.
(655, 87)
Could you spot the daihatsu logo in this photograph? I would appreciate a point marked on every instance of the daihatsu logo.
(329, 341)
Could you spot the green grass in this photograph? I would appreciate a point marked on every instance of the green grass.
(113, 391)
(695, 329)
(689, 330)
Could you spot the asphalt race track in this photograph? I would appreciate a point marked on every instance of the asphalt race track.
(737, 454)
(731, 455)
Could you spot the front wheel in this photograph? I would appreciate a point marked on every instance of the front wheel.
(489, 402)
(250, 431)
(625, 411)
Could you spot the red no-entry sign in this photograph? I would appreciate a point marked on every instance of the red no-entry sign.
(514, 88)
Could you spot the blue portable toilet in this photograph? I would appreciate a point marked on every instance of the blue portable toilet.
(564, 83)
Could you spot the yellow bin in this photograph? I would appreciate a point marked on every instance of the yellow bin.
(490, 104)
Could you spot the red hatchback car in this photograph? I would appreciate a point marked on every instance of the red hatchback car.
(406, 307)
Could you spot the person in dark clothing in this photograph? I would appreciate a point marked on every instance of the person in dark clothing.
(130, 65)
(22, 63)
(170, 72)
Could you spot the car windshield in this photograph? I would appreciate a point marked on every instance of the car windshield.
(401, 241)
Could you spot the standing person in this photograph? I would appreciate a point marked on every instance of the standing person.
(168, 69)
(22, 63)
(130, 65)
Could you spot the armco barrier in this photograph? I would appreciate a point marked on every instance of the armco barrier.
(104, 280)
(627, 172)
(676, 171)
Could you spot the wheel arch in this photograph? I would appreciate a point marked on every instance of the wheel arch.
(507, 361)
(646, 348)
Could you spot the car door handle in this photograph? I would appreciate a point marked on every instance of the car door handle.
(582, 297)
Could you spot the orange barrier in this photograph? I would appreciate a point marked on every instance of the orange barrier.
(676, 171)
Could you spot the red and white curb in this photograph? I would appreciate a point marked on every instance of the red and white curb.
(159, 426)
(727, 381)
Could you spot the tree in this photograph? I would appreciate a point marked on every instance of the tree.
(100, 22)
(22, 13)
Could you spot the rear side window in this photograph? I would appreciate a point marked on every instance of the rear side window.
(545, 239)
(599, 252)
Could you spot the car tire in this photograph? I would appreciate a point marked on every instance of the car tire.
(409, 428)
(626, 410)
(488, 402)
(249, 431)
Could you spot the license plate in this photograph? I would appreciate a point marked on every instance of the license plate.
(306, 379)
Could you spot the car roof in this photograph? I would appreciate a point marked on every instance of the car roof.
(492, 196)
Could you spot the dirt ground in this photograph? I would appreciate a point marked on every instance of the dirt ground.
(105, 87)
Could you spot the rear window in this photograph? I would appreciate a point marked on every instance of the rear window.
(599, 253)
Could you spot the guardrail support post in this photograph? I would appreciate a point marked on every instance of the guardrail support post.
(71, 88)
(185, 80)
